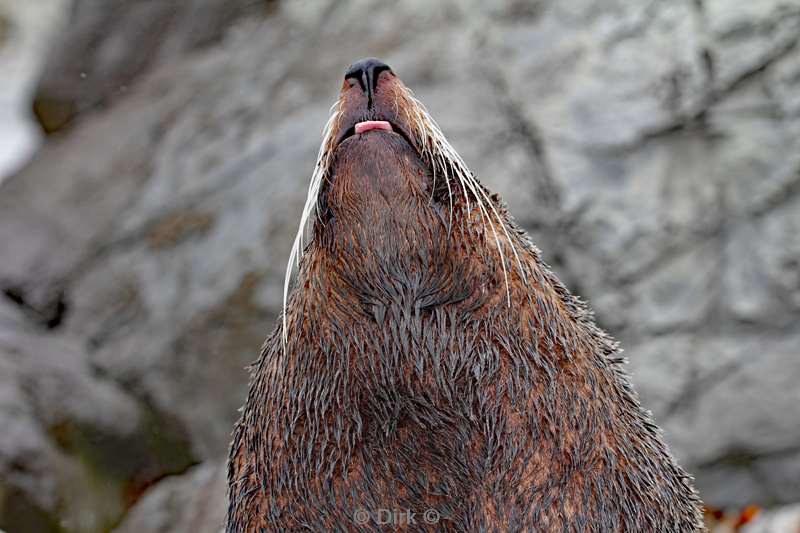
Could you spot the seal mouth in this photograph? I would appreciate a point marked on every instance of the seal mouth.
(369, 125)
(365, 126)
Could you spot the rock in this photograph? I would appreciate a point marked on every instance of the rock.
(751, 447)
(26, 32)
(74, 447)
(109, 43)
(783, 520)
(653, 162)
(190, 503)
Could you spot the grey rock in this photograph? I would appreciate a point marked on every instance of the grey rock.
(783, 519)
(190, 503)
(725, 403)
(26, 31)
(73, 444)
(109, 43)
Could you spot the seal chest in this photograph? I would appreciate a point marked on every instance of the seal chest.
(429, 371)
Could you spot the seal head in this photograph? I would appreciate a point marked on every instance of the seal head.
(429, 369)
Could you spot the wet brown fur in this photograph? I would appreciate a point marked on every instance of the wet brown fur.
(408, 383)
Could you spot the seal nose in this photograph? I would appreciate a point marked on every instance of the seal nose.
(366, 72)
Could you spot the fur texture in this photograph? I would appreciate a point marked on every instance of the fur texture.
(430, 372)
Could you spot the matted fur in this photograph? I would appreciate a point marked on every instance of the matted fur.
(417, 367)
(440, 157)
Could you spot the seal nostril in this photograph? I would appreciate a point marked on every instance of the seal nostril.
(366, 72)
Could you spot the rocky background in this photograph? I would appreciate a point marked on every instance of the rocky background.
(651, 149)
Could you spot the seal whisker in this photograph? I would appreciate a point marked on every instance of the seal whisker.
(487, 218)
(503, 226)
(450, 199)
(320, 171)
(446, 152)
(433, 185)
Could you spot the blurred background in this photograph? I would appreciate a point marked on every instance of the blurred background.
(154, 158)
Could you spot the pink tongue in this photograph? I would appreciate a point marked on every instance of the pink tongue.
(363, 127)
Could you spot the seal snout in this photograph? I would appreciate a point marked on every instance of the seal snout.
(373, 99)
(366, 72)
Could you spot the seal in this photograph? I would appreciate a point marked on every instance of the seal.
(430, 372)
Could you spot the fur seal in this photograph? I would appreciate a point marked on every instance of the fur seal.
(430, 372)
